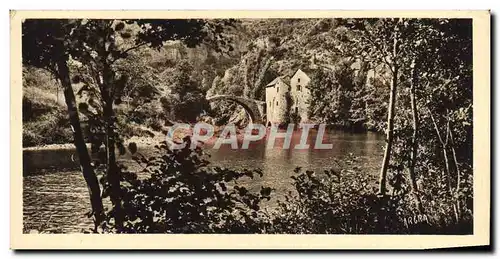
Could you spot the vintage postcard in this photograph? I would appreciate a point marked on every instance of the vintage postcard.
(250, 129)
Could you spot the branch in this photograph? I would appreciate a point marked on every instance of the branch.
(455, 160)
(128, 50)
(382, 52)
(313, 28)
(110, 24)
(450, 81)
(327, 67)
(447, 126)
(425, 87)
(435, 126)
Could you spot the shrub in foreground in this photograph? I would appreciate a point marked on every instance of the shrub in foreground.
(181, 193)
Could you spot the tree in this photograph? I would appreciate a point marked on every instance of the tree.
(416, 55)
(98, 45)
(427, 69)
(186, 99)
(449, 108)
(44, 44)
(332, 93)
(387, 41)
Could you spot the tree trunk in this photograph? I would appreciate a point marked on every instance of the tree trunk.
(414, 143)
(390, 122)
(459, 177)
(83, 154)
(445, 153)
(447, 167)
(113, 171)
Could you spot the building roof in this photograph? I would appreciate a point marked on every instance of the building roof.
(275, 81)
(285, 79)
(299, 70)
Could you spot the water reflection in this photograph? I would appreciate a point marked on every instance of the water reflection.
(278, 164)
(59, 199)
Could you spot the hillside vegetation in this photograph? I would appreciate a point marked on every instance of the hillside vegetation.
(408, 78)
(260, 50)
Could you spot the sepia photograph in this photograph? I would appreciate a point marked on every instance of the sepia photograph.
(251, 124)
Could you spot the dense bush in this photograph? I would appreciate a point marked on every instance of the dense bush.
(48, 129)
(345, 202)
(182, 193)
(337, 202)
(44, 119)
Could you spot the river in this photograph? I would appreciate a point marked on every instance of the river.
(56, 199)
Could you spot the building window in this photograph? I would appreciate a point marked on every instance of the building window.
(298, 88)
(276, 103)
(298, 79)
(277, 89)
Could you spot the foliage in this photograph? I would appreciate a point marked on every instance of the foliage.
(347, 99)
(345, 202)
(44, 118)
(182, 194)
(376, 93)
(186, 101)
(94, 47)
(50, 128)
(124, 77)
(444, 115)
(336, 202)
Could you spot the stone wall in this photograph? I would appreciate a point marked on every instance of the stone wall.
(276, 103)
(277, 106)
(300, 94)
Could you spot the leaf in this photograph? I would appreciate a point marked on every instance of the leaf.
(121, 148)
(242, 191)
(119, 26)
(76, 79)
(125, 35)
(82, 89)
(265, 191)
(83, 106)
(132, 147)
(223, 186)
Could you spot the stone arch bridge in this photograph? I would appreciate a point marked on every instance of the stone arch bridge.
(254, 108)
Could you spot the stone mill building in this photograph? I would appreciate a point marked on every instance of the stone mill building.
(285, 97)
